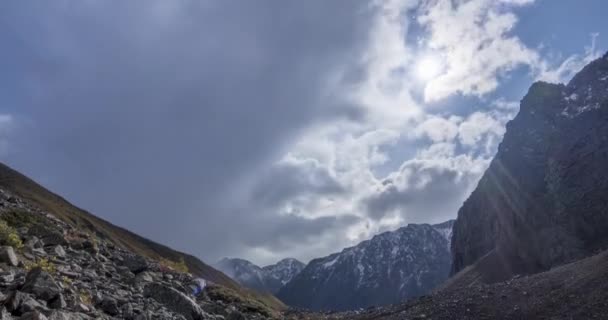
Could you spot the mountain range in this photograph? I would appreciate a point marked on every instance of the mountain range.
(267, 279)
(389, 268)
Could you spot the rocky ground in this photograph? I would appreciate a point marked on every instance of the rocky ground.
(50, 270)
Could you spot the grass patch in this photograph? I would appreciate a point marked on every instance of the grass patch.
(179, 266)
(245, 303)
(18, 218)
(9, 236)
(43, 264)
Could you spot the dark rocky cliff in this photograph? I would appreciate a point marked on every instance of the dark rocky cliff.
(542, 202)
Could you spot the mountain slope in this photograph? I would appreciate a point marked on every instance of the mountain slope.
(574, 291)
(542, 201)
(267, 279)
(389, 268)
(38, 196)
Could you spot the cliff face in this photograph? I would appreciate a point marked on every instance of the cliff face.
(542, 201)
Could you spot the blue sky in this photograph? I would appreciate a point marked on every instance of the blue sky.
(271, 129)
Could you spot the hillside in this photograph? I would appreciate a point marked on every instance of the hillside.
(389, 268)
(38, 196)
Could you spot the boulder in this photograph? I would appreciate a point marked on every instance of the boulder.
(47, 235)
(58, 303)
(14, 300)
(175, 301)
(41, 284)
(135, 263)
(7, 255)
(109, 306)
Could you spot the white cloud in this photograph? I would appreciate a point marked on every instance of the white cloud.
(438, 129)
(474, 39)
(571, 65)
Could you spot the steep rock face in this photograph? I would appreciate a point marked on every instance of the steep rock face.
(267, 279)
(389, 268)
(542, 201)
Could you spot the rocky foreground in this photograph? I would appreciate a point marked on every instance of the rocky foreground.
(50, 270)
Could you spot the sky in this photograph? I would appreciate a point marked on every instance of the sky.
(272, 129)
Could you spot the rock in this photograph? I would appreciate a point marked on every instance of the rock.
(82, 307)
(90, 246)
(7, 276)
(41, 284)
(109, 306)
(34, 315)
(7, 255)
(30, 304)
(33, 243)
(144, 277)
(127, 311)
(175, 301)
(58, 303)
(135, 263)
(236, 315)
(59, 251)
(5, 315)
(47, 235)
(14, 300)
(61, 315)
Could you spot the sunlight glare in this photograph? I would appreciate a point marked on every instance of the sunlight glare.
(428, 68)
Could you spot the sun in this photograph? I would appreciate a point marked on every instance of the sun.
(428, 68)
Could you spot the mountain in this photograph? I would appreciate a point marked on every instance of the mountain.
(530, 242)
(542, 201)
(578, 290)
(267, 279)
(284, 270)
(389, 268)
(33, 195)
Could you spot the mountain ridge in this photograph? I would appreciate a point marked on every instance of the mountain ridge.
(269, 278)
(387, 268)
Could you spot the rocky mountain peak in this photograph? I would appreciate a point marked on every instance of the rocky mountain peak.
(538, 203)
(285, 269)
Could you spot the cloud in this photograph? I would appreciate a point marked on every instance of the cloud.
(565, 70)
(157, 112)
(266, 129)
(475, 42)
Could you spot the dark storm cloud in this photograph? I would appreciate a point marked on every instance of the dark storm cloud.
(289, 180)
(150, 112)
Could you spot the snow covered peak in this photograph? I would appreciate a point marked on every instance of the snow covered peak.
(587, 90)
(270, 278)
(388, 268)
(285, 269)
